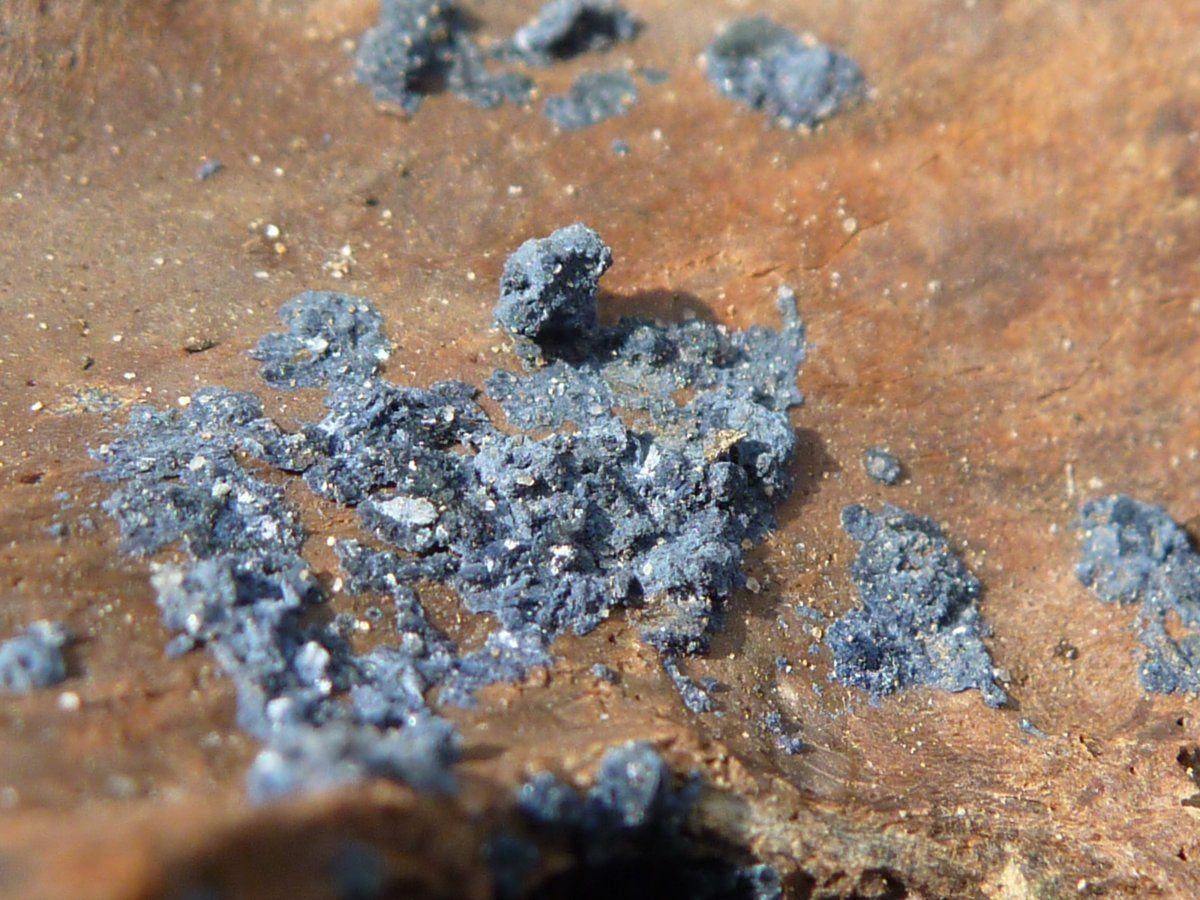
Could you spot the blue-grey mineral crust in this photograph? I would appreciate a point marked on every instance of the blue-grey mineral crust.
(549, 285)
(247, 591)
(785, 737)
(209, 169)
(693, 695)
(308, 758)
(542, 534)
(404, 57)
(33, 659)
(769, 68)
(881, 466)
(420, 47)
(1135, 553)
(593, 97)
(918, 623)
(330, 338)
(634, 791)
(636, 811)
(566, 28)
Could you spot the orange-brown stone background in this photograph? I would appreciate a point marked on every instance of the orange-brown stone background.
(998, 257)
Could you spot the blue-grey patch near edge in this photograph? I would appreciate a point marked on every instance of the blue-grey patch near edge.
(918, 623)
(1135, 553)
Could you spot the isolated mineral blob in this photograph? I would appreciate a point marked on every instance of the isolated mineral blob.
(918, 623)
(420, 47)
(566, 28)
(769, 68)
(882, 466)
(594, 97)
(1135, 553)
(33, 659)
(548, 288)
